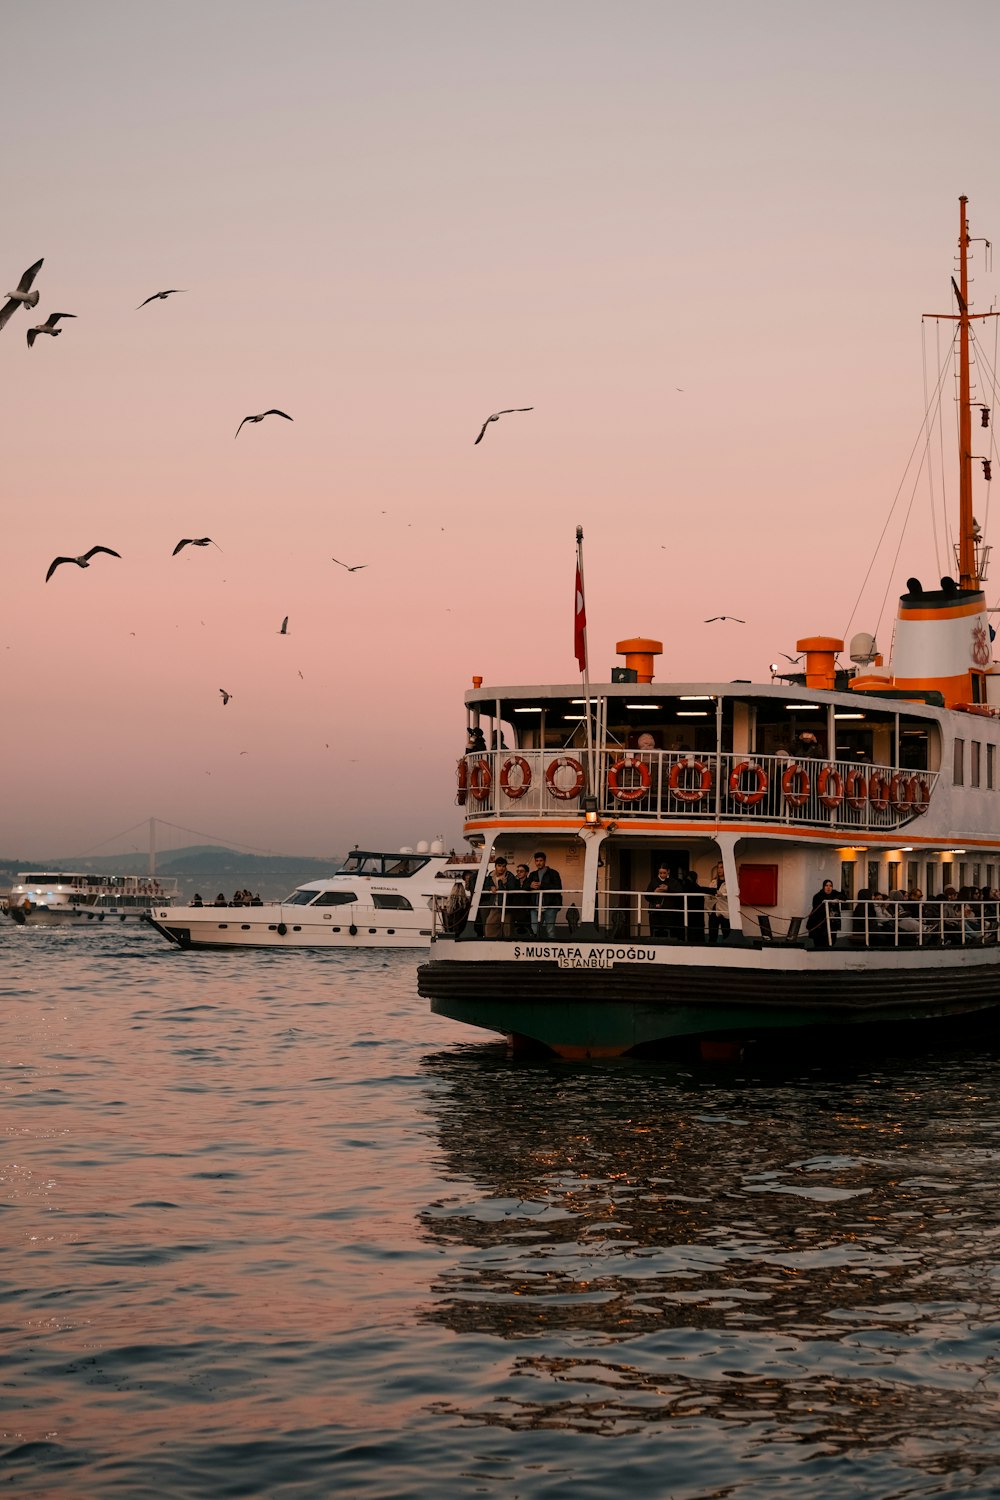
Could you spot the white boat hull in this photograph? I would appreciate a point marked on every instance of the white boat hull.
(279, 926)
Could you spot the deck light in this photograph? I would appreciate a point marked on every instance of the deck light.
(589, 805)
(527, 710)
(802, 705)
(644, 705)
(848, 716)
(692, 713)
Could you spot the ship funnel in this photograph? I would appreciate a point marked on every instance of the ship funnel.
(942, 642)
(638, 654)
(821, 660)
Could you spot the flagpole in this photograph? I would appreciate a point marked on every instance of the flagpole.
(585, 664)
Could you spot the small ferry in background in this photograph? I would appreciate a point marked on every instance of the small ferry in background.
(693, 824)
(377, 899)
(73, 898)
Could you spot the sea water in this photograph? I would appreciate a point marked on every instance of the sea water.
(271, 1228)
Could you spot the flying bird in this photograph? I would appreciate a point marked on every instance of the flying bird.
(24, 294)
(793, 659)
(284, 626)
(194, 541)
(496, 417)
(734, 619)
(81, 562)
(356, 569)
(49, 326)
(170, 293)
(225, 696)
(272, 411)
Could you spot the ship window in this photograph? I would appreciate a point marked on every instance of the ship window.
(976, 750)
(390, 901)
(959, 762)
(300, 898)
(991, 766)
(336, 898)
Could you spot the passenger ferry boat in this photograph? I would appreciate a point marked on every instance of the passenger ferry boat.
(882, 776)
(67, 898)
(377, 899)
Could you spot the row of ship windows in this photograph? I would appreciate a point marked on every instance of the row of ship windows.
(930, 876)
(976, 766)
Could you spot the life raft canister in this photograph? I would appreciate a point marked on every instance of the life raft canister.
(856, 789)
(795, 785)
(628, 763)
(689, 793)
(830, 787)
(564, 793)
(480, 780)
(747, 796)
(463, 783)
(511, 763)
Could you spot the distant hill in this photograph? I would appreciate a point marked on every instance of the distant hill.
(205, 868)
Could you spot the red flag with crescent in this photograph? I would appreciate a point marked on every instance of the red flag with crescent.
(580, 624)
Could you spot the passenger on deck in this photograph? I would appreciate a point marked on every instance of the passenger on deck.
(496, 894)
(474, 741)
(196, 900)
(220, 899)
(823, 921)
(656, 900)
(694, 920)
(718, 906)
(545, 883)
(519, 903)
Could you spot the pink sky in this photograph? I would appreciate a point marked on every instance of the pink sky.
(392, 219)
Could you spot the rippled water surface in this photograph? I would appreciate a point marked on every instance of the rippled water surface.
(270, 1228)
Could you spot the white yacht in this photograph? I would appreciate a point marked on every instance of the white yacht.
(73, 898)
(377, 899)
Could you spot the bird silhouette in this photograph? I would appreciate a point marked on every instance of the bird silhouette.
(225, 696)
(194, 541)
(496, 417)
(49, 326)
(284, 626)
(23, 296)
(81, 562)
(734, 619)
(793, 659)
(272, 411)
(356, 568)
(170, 293)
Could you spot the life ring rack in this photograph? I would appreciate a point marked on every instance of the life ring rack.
(690, 793)
(628, 763)
(563, 793)
(748, 796)
(515, 762)
(480, 780)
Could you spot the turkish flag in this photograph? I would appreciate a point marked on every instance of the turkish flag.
(580, 624)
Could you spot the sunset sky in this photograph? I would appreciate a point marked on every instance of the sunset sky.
(698, 241)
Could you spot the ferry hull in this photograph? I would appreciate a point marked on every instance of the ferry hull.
(65, 917)
(581, 1006)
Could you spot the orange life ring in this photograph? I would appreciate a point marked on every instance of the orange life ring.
(480, 780)
(899, 791)
(919, 794)
(878, 791)
(744, 796)
(513, 792)
(565, 794)
(463, 783)
(689, 793)
(628, 763)
(856, 798)
(788, 782)
(830, 798)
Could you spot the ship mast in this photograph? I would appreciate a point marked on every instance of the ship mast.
(968, 576)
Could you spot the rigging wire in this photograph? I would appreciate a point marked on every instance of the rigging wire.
(936, 396)
(930, 466)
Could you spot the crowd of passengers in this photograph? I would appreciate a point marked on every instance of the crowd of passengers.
(902, 919)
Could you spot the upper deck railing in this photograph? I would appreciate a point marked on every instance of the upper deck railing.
(660, 786)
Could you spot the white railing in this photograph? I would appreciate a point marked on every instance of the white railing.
(661, 785)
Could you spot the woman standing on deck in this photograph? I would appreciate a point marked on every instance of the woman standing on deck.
(823, 922)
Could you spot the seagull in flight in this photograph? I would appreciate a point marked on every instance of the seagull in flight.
(194, 541)
(24, 294)
(225, 696)
(49, 326)
(272, 411)
(284, 626)
(356, 569)
(81, 562)
(793, 659)
(734, 618)
(169, 293)
(496, 417)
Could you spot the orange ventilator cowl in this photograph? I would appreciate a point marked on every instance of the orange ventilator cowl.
(821, 656)
(638, 654)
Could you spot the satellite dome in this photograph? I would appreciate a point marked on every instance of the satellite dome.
(863, 648)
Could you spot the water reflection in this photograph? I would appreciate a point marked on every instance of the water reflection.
(814, 1252)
